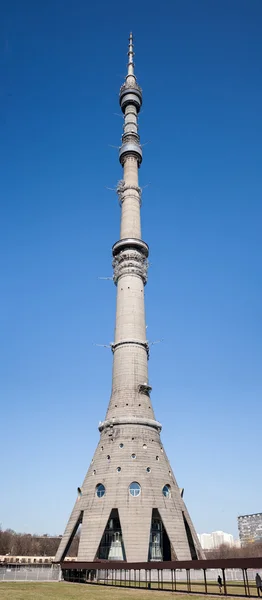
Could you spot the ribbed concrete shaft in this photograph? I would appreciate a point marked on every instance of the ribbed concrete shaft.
(153, 522)
(130, 221)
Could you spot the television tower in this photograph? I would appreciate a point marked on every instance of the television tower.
(130, 506)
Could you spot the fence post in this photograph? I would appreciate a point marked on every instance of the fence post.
(244, 579)
(205, 579)
(188, 580)
(248, 589)
(224, 582)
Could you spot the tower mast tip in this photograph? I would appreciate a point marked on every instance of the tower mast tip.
(130, 65)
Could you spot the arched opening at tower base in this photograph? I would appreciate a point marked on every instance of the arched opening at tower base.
(71, 547)
(159, 543)
(111, 546)
(190, 540)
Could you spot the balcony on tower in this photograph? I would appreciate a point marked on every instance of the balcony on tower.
(130, 93)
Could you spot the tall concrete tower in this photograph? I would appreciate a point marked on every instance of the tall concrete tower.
(130, 506)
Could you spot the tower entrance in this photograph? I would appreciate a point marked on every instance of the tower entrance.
(159, 544)
(111, 546)
(190, 540)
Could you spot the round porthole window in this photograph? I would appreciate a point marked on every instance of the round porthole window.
(144, 446)
(134, 488)
(148, 469)
(108, 457)
(100, 490)
(118, 469)
(166, 491)
(121, 445)
(133, 456)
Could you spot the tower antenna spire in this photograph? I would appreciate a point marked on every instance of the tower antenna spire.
(131, 64)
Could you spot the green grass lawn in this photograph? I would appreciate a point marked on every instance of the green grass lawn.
(235, 588)
(72, 591)
(75, 591)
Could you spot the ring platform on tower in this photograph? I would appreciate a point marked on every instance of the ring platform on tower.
(129, 421)
(130, 95)
(131, 149)
(134, 243)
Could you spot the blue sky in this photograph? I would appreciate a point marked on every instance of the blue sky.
(199, 64)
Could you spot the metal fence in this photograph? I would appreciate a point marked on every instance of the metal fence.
(237, 575)
(29, 572)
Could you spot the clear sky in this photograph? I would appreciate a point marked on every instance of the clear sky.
(199, 64)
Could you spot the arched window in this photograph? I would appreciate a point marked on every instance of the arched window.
(100, 490)
(166, 491)
(134, 488)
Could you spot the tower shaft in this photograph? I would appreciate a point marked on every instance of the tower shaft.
(130, 505)
(130, 348)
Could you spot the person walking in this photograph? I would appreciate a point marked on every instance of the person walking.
(220, 583)
(258, 584)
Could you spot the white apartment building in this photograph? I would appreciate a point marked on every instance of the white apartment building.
(215, 539)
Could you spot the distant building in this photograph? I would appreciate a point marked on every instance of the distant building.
(220, 537)
(206, 541)
(8, 559)
(209, 541)
(250, 528)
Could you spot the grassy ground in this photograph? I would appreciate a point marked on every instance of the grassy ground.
(235, 588)
(75, 591)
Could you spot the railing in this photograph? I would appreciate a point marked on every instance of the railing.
(135, 86)
(201, 576)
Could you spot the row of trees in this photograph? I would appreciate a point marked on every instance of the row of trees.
(225, 551)
(25, 544)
